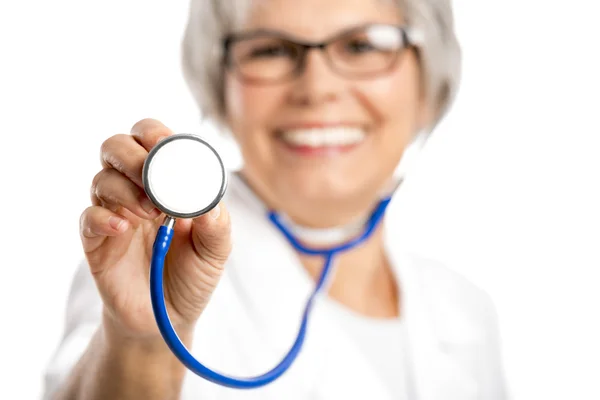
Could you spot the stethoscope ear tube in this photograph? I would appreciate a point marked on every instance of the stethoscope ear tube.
(159, 252)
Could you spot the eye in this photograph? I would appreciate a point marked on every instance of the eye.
(359, 46)
(271, 51)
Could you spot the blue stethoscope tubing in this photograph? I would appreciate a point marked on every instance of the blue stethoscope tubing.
(160, 249)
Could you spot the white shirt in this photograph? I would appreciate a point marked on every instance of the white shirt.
(383, 343)
(449, 332)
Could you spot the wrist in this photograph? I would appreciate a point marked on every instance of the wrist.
(145, 358)
(116, 338)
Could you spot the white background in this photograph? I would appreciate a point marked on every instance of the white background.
(506, 192)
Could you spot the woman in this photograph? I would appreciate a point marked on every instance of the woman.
(323, 99)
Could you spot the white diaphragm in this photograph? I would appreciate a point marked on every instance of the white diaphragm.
(184, 176)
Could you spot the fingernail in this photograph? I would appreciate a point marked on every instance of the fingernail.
(215, 212)
(116, 222)
(147, 205)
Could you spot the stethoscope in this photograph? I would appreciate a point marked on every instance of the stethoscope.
(185, 177)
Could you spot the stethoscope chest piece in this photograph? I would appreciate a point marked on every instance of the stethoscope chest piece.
(184, 176)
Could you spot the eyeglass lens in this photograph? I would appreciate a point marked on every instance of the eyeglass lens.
(359, 52)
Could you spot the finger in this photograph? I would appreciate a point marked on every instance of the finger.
(98, 223)
(148, 132)
(211, 236)
(124, 154)
(113, 189)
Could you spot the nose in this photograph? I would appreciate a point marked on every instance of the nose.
(317, 83)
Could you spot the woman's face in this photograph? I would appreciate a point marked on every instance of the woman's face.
(321, 146)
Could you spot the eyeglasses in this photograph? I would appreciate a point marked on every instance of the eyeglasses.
(269, 57)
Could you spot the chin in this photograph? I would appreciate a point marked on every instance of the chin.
(322, 182)
(343, 195)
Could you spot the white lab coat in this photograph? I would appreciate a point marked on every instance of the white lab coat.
(253, 316)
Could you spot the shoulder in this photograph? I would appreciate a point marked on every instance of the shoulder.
(460, 310)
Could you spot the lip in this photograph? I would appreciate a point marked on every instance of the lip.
(324, 151)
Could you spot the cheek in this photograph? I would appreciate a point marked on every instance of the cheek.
(395, 99)
(248, 106)
(249, 113)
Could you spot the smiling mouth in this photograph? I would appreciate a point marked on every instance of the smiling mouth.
(323, 139)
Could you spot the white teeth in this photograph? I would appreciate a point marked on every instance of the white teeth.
(320, 137)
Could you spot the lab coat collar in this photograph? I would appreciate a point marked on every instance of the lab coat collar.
(434, 373)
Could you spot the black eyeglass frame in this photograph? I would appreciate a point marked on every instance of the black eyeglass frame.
(305, 46)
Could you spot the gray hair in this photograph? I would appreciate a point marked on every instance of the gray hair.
(210, 20)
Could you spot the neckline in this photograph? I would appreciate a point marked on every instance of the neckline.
(316, 237)
(348, 313)
(305, 280)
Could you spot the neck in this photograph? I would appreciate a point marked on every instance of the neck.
(362, 279)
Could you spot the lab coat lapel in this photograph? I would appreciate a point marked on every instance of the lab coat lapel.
(435, 375)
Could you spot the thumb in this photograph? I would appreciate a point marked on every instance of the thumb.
(211, 236)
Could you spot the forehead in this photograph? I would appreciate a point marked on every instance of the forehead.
(314, 19)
